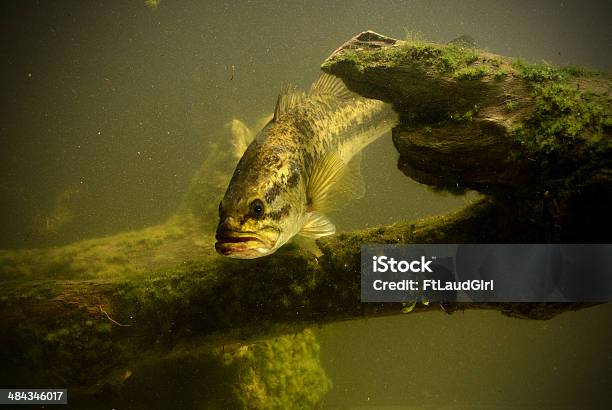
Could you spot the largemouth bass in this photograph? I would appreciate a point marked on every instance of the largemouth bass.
(302, 164)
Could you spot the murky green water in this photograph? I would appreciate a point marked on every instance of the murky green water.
(470, 360)
(109, 109)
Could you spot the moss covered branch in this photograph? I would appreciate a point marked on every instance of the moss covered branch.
(214, 302)
(471, 119)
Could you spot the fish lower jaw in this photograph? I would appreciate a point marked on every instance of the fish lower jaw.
(243, 247)
(241, 252)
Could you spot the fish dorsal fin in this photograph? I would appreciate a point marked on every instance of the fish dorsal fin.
(288, 99)
(328, 84)
(317, 225)
(333, 183)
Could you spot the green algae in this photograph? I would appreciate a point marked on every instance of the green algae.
(539, 72)
(500, 74)
(564, 115)
(76, 350)
(460, 62)
(471, 73)
(127, 253)
(445, 59)
(465, 116)
(511, 106)
(282, 373)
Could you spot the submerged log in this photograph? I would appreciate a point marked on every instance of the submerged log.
(471, 119)
(91, 333)
(98, 311)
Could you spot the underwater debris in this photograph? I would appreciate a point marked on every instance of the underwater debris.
(110, 318)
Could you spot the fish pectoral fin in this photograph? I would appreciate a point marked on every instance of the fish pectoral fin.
(333, 182)
(317, 225)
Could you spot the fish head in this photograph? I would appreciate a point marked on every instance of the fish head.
(261, 209)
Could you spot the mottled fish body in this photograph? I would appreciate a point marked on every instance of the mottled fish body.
(303, 163)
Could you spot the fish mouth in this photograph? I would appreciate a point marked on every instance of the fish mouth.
(242, 245)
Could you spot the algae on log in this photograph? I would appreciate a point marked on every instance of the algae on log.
(102, 311)
(470, 119)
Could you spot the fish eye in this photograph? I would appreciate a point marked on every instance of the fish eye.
(256, 208)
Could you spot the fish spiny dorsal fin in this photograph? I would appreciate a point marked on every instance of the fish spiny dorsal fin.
(288, 99)
(328, 84)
